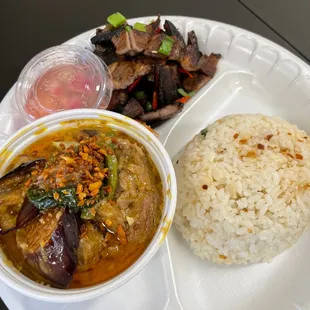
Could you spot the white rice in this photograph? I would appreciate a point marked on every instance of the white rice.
(244, 189)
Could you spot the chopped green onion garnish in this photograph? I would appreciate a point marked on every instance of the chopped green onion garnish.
(128, 29)
(166, 46)
(116, 19)
(148, 107)
(140, 95)
(182, 92)
(140, 27)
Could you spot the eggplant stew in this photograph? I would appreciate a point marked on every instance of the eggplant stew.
(82, 209)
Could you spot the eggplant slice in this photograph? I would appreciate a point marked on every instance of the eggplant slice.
(49, 244)
(15, 209)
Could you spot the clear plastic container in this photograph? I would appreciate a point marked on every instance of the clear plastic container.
(62, 78)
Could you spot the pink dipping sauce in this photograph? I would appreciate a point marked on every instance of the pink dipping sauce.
(60, 88)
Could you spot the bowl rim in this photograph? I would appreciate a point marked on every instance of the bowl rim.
(28, 287)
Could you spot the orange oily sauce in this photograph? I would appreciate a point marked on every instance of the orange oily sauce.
(108, 266)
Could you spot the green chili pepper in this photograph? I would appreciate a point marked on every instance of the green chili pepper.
(113, 177)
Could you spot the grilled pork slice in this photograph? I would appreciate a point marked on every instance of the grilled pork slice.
(207, 64)
(195, 82)
(162, 114)
(124, 73)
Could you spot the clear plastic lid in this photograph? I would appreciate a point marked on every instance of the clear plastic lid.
(62, 78)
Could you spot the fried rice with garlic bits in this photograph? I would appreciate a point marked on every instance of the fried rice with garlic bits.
(244, 189)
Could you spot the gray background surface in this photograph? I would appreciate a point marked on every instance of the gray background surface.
(28, 27)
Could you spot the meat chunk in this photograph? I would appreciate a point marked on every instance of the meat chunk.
(172, 31)
(122, 43)
(153, 26)
(191, 53)
(124, 73)
(138, 41)
(91, 244)
(110, 215)
(195, 82)
(106, 34)
(145, 214)
(154, 45)
(177, 50)
(106, 52)
(49, 244)
(119, 98)
(162, 114)
(207, 64)
(168, 83)
(133, 109)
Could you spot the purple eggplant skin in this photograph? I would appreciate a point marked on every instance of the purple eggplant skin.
(56, 259)
(15, 209)
(27, 213)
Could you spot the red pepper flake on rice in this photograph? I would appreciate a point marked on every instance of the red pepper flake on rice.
(205, 186)
(260, 146)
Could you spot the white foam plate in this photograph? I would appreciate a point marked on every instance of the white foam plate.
(254, 76)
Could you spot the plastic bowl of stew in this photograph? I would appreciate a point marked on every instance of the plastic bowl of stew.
(66, 120)
(62, 78)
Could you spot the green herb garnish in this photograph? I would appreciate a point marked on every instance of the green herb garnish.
(183, 93)
(87, 213)
(166, 46)
(66, 197)
(127, 28)
(116, 19)
(148, 107)
(204, 132)
(140, 95)
(140, 27)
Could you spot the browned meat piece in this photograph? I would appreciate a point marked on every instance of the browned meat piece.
(150, 60)
(106, 52)
(207, 64)
(168, 83)
(177, 50)
(132, 109)
(106, 34)
(145, 216)
(171, 30)
(154, 45)
(191, 53)
(152, 27)
(109, 215)
(124, 73)
(138, 41)
(122, 43)
(119, 97)
(91, 244)
(192, 39)
(162, 114)
(196, 82)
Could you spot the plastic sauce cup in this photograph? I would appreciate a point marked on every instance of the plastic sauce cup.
(62, 78)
